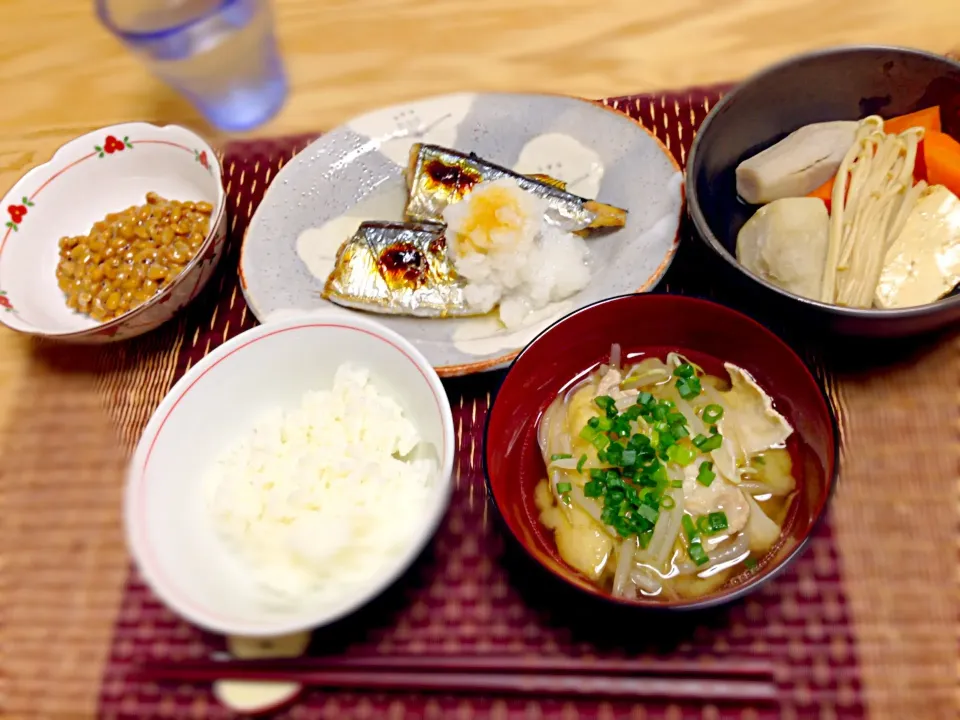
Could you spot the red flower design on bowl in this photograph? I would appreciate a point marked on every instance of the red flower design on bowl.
(17, 213)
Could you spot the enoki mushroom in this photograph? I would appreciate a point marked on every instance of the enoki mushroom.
(872, 195)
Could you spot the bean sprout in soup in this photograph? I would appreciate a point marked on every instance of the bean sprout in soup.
(665, 481)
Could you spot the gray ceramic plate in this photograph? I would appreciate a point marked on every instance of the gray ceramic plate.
(355, 173)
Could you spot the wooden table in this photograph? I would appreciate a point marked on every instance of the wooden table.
(64, 75)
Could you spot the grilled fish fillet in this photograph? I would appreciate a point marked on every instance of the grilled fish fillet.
(399, 269)
(437, 177)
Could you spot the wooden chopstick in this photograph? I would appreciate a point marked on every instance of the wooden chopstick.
(517, 664)
(627, 679)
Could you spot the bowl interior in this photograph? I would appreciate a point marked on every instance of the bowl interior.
(168, 522)
(652, 324)
(79, 186)
(844, 84)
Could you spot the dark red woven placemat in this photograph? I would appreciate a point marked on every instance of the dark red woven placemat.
(472, 592)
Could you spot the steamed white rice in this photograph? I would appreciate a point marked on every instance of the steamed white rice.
(322, 497)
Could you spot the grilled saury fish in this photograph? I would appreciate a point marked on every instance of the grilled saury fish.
(399, 269)
(437, 177)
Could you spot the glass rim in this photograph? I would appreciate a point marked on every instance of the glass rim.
(140, 35)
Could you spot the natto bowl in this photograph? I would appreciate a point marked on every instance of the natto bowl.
(102, 172)
(655, 324)
(837, 84)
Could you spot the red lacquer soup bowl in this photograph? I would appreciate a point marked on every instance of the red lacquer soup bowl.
(643, 325)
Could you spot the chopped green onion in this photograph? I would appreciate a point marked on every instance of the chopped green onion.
(718, 521)
(565, 499)
(712, 414)
(607, 404)
(645, 538)
(660, 475)
(560, 456)
(589, 433)
(706, 475)
(632, 486)
(688, 388)
(621, 426)
(697, 554)
(614, 452)
(759, 460)
(564, 487)
(632, 413)
(648, 513)
(682, 455)
(703, 525)
(750, 563)
(689, 529)
(711, 443)
(684, 370)
(600, 442)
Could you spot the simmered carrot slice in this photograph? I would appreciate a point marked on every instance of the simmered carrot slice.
(824, 192)
(941, 155)
(928, 119)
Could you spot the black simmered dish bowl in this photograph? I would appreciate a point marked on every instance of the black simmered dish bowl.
(838, 84)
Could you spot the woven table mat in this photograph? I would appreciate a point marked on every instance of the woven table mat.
(863, 622)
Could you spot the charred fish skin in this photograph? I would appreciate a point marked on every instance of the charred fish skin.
(438, 176)
(395, 268)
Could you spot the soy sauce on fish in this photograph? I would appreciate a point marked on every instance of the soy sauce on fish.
(403, 264)
(452, 176)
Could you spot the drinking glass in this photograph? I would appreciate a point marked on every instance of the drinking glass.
(221, 54)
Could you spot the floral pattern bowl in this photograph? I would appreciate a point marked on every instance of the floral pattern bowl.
(95, 174)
